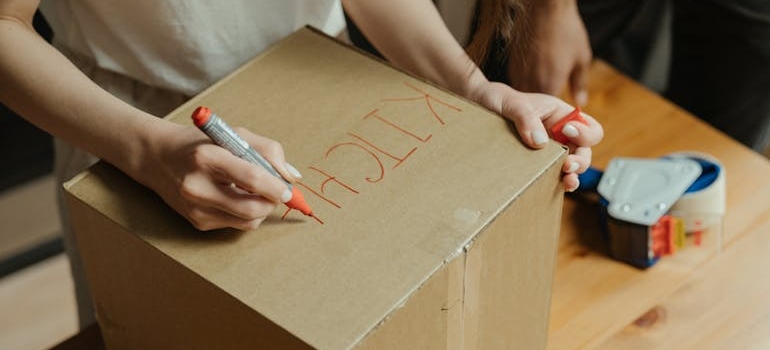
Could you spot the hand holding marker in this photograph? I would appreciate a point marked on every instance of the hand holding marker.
(219, 132)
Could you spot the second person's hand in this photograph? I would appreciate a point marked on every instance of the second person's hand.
(558, 52)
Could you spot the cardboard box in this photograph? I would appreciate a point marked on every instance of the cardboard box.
(440, 227)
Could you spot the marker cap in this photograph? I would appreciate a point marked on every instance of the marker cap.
(201, 116)
(556, 130)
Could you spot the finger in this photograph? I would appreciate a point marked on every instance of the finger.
(583, 134)
(528, 120)
(570, 182)
(571, 165)
(578, 161)
(201, 191)
(206, 219)
(579, 84)
(223, 166)
(273, 152)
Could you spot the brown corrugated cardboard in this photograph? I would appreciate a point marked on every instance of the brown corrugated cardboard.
(439, 231)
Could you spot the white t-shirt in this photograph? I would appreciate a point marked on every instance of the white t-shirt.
(181, 45)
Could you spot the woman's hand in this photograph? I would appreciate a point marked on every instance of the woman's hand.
(534, 114)
(211, 187)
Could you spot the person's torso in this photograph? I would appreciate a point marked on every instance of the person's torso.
(181, 45)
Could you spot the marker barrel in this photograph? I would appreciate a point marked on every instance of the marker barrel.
(224, 136)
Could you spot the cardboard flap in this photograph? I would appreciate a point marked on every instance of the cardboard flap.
(402, 174)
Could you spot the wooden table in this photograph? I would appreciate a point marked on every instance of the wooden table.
(697, 299)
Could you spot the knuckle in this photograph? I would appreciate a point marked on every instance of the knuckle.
(252, 225)
(199, 156)
(256, 210)
(188, 191)
(273, 147)
(199, 220)
(254, 175)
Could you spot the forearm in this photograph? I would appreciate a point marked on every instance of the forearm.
(45, 88)
(412, 35)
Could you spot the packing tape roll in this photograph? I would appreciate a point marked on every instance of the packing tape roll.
(703, 207)
(699, 211)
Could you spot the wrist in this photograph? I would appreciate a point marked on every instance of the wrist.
(472, 86)
(139, 149)
(487, 94)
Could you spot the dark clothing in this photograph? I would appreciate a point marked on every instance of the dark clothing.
(719, 62)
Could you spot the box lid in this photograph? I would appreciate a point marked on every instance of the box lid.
(404, 175)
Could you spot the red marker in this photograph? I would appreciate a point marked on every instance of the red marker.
(556, 129)
(219, 132)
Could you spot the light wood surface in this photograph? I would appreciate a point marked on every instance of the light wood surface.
(29, 216)
(697, 299)
(37, 306)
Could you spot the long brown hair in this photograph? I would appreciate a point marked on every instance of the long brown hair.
(499, 26)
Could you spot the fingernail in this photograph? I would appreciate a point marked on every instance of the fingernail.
(570, 131)
(581, 98)
(577, 184)
(293, 171)
(539, 137)
(573, 167)
(286, 196)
